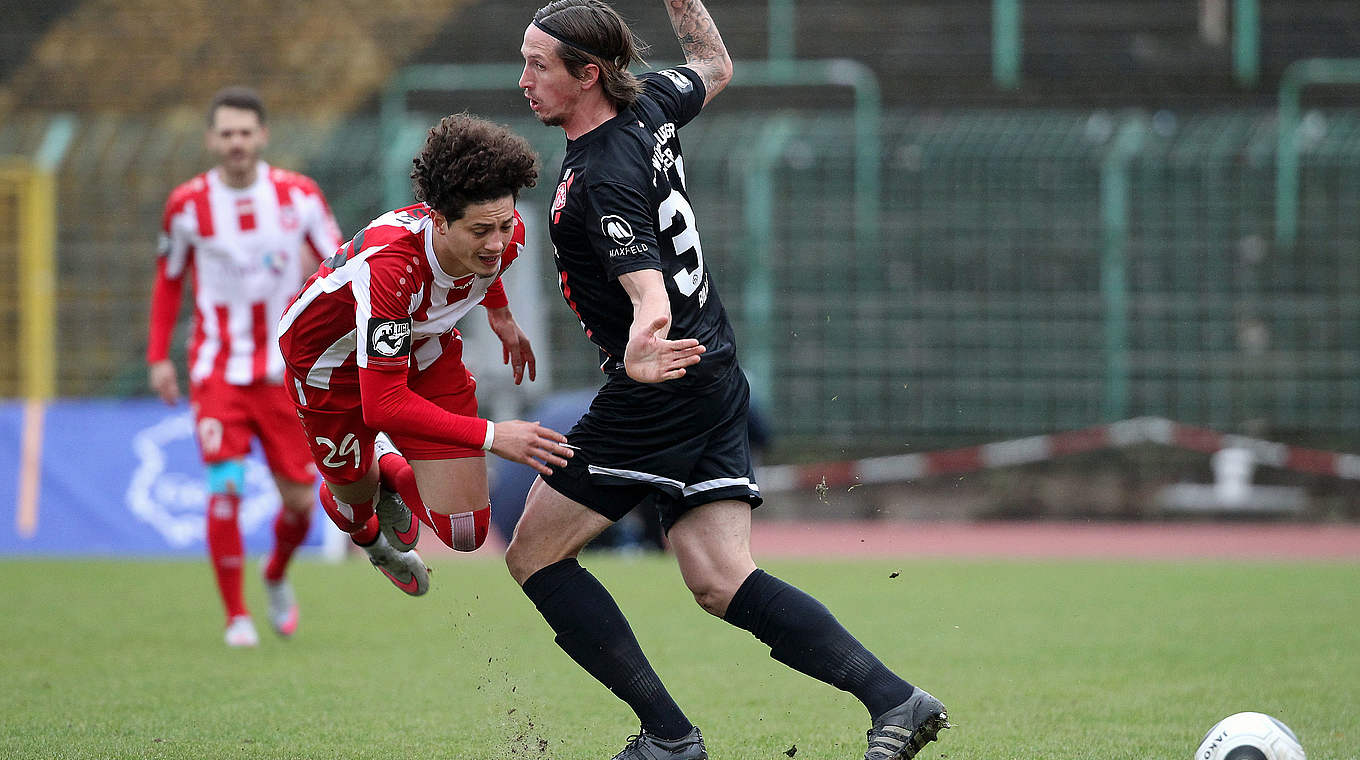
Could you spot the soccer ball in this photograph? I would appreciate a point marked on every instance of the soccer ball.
(1249, 736)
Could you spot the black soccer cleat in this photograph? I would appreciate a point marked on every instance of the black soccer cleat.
(644, 746)
(901, 732)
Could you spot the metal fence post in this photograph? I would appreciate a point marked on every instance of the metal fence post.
(758, 189)
(1298, 75)
(1246, 42)
(1115, 197)
(1006, 43)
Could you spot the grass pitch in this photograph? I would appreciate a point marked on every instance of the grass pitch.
(124, 659)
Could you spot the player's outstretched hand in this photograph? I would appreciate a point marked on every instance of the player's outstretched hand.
(515, 348)
(161, 376)
(530, 443)
(650, 358)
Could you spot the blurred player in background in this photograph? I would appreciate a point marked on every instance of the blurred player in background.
(371, 346)
(670, 422)
(250, 233)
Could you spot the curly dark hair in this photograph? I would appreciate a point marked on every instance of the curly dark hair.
(467, 160)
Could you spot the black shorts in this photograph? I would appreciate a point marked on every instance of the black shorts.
(637, 441)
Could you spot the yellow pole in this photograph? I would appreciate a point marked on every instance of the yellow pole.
(37, 332)
(37, 291)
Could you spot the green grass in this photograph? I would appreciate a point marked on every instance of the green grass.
(1130, 660)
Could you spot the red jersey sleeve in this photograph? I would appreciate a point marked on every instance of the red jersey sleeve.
(174, 257)
(391, 406)
(165, 300)
(495, 296)
(323, 233)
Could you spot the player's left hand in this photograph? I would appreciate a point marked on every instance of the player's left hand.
(542, 448)
(515, 348)
(650, 358)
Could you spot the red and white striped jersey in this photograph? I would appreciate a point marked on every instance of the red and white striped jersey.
(249, 249)
(381, 301)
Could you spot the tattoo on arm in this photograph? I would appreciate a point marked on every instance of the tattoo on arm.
(703, 46)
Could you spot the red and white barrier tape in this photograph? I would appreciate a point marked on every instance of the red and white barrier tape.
(1040, 448)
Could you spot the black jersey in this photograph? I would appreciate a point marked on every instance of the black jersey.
(621, 206)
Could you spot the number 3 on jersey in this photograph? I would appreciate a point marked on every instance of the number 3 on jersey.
(684, 238)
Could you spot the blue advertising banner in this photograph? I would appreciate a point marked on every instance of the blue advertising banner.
(109, 477)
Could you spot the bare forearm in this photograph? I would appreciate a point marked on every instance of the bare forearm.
(703, 46)
(647, 309)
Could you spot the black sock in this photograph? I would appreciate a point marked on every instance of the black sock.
(591, 628)
(803, 634)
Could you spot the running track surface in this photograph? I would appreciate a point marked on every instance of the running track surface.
(1038, 540)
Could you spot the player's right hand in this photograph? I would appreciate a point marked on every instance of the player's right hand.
(163, 381)
(530, 443)
(650, 357)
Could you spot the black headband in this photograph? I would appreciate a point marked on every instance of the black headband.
(571, 43)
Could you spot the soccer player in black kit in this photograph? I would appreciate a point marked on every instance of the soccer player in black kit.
(670, 419)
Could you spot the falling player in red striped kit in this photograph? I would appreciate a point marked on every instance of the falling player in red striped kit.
(249, 233)
(371, 346)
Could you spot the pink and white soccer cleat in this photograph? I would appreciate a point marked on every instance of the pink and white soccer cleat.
(241, 632)
(283, 608)
(406, 570)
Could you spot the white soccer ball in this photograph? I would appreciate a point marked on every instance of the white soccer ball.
(1249, 736)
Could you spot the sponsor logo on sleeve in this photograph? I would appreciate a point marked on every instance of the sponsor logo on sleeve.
(389, 337)
(617, 228)
(621, 232)
(680, 81)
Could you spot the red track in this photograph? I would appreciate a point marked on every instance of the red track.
(1034, 540)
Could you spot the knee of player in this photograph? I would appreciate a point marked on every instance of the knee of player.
(299, 501)
(519, 562)
(227, 477)
(712, 596)
(523, 558)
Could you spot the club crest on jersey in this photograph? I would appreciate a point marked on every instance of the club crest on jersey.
(560, 199)
(389, 337)
(680, 81)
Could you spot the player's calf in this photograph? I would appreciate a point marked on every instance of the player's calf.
(462, 531)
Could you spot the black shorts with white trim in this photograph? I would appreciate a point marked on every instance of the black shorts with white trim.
(639, 440)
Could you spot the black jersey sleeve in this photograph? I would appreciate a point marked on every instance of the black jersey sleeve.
(619, 225)
(678, 91)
